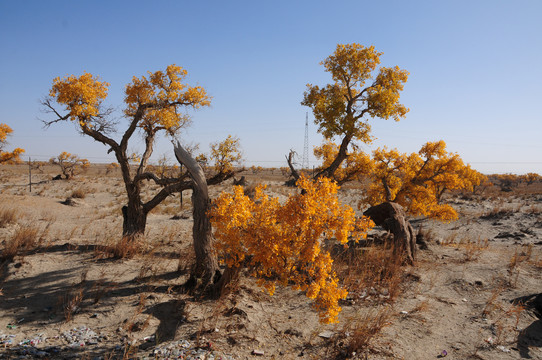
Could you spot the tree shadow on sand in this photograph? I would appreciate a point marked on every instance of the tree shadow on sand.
(46, 296)
(531, 336)
(171, 315)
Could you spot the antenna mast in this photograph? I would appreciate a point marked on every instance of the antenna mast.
(305, 162)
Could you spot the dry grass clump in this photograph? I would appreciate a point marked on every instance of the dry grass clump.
(501, 211)
(71, 303)
(23, 240)
(7, 216)
(520, 256)
(360, 331)
(505, 318)
(125, 248)
(78, 193)
(472, 248)
(373, 272)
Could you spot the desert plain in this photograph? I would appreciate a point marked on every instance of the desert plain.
(474, 291)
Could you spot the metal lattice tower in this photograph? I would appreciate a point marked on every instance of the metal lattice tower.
(305, 162)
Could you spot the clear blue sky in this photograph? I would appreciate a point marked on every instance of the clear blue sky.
(475, 70)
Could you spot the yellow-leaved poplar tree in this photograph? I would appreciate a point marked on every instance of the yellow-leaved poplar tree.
(225, 154)
(417, 181)
(531, 178)
(154, 103)
(360, 91)
(70, 164)
(8, 156)
(282, 243)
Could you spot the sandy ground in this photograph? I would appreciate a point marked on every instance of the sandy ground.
(472, 294)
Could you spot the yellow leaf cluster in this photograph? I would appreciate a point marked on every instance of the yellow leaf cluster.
(417, 181)
(5, 131)
(154, 102)
(383, 96)
(357, 164)
(70, 164)
(341, 108)
(82, 96)
(161, 95)
(530, 178)
(12, 157)
(8, 156)
(134, 158)
(226, 154)
(282, 242)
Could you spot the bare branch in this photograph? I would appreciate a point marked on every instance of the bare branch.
(164, 193)
(157, 180)
(49, 109)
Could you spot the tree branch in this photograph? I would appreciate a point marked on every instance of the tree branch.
(157, 180)
(165, 192)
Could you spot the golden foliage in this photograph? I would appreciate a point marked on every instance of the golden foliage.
(339, 108)
(5, 130)
(530, 178)
(357, 164)
(70, 164)
(282, 242)
(417, 181)
(154, 102)
(163, 93)
(225, 154)
(134, 158)
(82, 96)
(7, 156)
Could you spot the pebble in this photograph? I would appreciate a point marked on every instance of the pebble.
(183, 349)
(80, 337)
(326, 334)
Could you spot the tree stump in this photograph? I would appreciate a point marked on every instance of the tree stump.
(241, 182)
(392, 218)
(206, 271)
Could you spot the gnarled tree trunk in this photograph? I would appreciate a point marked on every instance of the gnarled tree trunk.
(392, 217)
(134, 214)
(206, 271)
(134, 220)
(293, 172)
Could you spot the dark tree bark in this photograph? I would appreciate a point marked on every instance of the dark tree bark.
(205, 272)
(134, 220)
(392, 217)
(293, 172)
(241, 182)
(329, 172)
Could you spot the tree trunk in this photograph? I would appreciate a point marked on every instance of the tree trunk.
(293, 172)
(392, 217)
(134, 220)
(329, 172)
(205, 271)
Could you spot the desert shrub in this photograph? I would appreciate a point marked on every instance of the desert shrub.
(371, 271)
(70, 164)
(78, 194)
(473, 249)
(360, 331)
(7, 216)
(125, 247)
(280, 243)
(24, 239)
